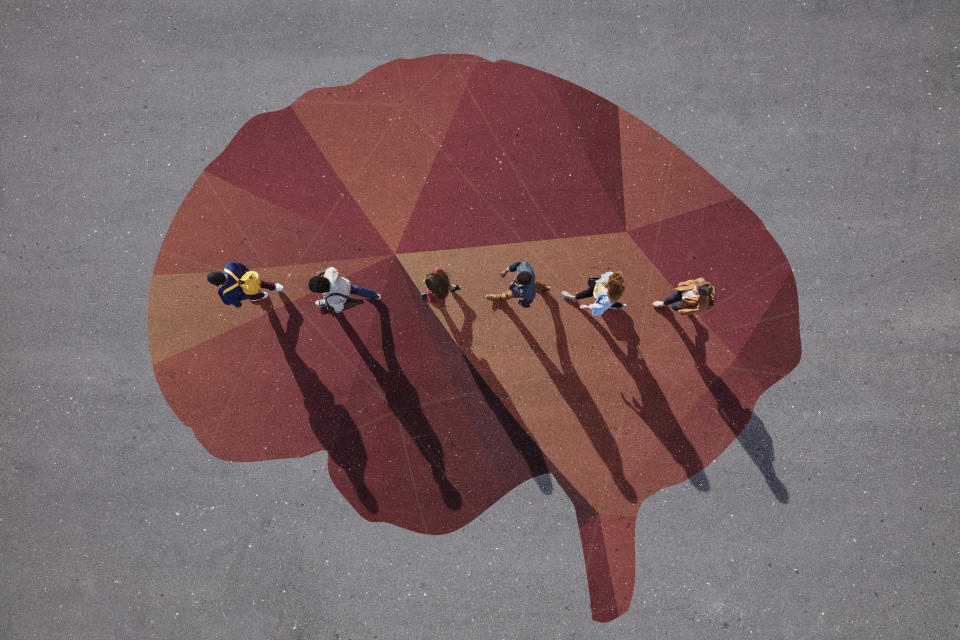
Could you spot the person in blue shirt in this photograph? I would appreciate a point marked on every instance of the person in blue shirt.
(524, 285)
(606, 291)
(230, 291)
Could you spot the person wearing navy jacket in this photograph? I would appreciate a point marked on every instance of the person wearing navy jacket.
(230, 291)
(524, 285)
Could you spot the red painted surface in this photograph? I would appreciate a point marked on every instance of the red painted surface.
(430, 415)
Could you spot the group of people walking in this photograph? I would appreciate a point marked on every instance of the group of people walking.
(236, 283)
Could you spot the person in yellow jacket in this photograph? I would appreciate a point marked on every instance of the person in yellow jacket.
(691, 297)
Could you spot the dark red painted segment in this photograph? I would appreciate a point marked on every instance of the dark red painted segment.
(273, 157)
(405, 393)
(531, 123)
(764, 347)
(473, 183)
(597, 123)
(609, 552)
(238, 395)
(729, 246)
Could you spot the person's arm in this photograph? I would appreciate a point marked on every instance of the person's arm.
(512, 267)
(335, 302)
(601, 304)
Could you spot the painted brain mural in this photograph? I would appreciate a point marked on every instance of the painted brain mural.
(429, 415)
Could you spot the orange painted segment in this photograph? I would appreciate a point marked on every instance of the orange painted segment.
(660, 180)
(185, 310)
(433, 104)
(378, 86)
(384, 152)
(233, 224)
(593, 415)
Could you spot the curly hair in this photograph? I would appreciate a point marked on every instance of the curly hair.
(615, 285)
(439, 283)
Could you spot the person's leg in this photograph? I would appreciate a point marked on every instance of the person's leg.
(673, 300)
(541, 287)
(588, 292)
(506, 295)
(364, 293)
(350, 303)
(272, 286)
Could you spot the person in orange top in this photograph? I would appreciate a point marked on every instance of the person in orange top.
(691, 297)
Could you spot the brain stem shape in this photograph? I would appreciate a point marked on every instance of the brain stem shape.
(431, 414)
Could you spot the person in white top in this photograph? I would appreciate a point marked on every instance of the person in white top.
(606, 290)
(336, 291)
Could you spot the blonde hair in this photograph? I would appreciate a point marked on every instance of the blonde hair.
(615, 285)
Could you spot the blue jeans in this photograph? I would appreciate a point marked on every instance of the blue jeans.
(362, 292)
(673, 300)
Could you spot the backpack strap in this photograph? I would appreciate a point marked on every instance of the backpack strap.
(235, 284)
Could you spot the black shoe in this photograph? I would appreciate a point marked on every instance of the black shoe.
(424, 296)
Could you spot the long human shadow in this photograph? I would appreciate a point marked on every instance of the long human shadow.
(745, 425)
(496, 396)
(331, 423)
(404, 401)
(576, 394)
(653, 406)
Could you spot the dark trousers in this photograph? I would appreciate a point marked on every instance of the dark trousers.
(588, 292)
(673, 300)
(270, 286)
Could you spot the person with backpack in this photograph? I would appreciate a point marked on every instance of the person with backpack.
(438, 287)
(690, 297)
(524, 286)
(336, 291)
(606, 291)
(237, 283)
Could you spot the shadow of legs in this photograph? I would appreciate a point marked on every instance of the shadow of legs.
(331, 423)
(404, 402)
(749, 429)
(497, 398)
(652, 407)
(577, 396)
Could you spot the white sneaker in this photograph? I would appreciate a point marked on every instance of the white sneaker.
(378, 297)
(278, 287)
(568, 296)
(266, 294)
(320, 303)
(658, 303)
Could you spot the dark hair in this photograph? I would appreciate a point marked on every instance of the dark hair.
(216, 278)
(524, 277)
(319, 284)
(439, 283)
(705, 289)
